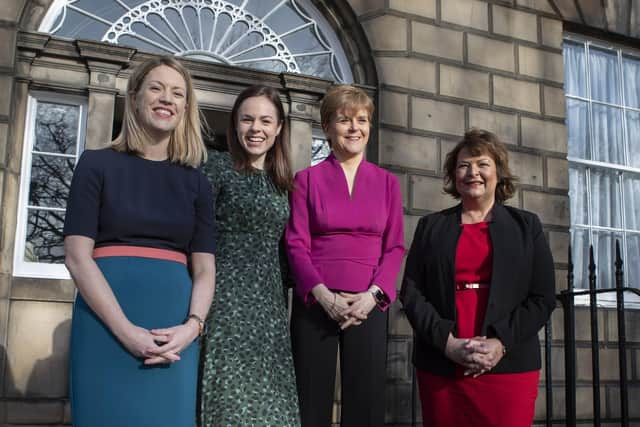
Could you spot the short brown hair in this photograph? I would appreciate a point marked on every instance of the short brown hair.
(478, 142)
(186, 146)
(349, 97)
(276, 164)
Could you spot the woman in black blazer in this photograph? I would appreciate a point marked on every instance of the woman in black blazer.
(478, 286)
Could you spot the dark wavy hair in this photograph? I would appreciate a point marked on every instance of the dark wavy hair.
(479, 142)
(277, 164)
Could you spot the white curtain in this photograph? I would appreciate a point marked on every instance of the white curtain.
(632, 201)
(604, 245)
(633, 137)
(578, 129)
(605, 199)
(580, 253)
(607, 134)
(578, 195)
(631, 76)
(596, 117)
(604, 76)
(574, 69)
(632, 219)
(632, 262)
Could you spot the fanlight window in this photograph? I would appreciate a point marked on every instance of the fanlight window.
(271, 35)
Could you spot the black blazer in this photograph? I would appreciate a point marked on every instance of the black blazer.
(521, 296)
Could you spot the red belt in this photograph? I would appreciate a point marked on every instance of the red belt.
(140, 251)
(465, 286)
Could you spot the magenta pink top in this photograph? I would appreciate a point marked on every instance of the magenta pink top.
(346, 242)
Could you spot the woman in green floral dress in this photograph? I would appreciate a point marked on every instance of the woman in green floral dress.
(247, 370)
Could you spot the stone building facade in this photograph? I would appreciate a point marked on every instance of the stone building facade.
(435, 68)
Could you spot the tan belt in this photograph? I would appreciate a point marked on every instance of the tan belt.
(465, 286)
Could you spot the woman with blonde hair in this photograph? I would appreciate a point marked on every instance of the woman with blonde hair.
(136, 211)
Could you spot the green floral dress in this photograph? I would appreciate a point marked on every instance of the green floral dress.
(247, 367)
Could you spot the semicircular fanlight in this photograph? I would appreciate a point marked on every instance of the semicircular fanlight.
(272, 35)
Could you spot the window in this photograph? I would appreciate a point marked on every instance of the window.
(603, 123)
(270, 35)
(320, 148)
(54, 138)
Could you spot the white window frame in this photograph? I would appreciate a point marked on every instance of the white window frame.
(608, 300)
(22, 268)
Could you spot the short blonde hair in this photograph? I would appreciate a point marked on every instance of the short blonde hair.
(186, 146)
(347, 97)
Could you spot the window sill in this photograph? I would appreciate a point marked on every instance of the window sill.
(631, 301)
(35, 270)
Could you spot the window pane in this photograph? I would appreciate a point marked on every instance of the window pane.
(320, 150)
(633, 137)
(578, 129)
(580, 255)
(56, 128)
(631, 265)
(607, 134)
(316, 65)
(604, 75)
(631, 73)
(285, 20)
(632, 201)
(605, 199)
(578, 195)
(50, 180)
(604, 246)
(575, 82)
(44, 241)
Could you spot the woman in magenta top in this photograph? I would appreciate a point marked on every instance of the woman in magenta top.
(345, 245)
(478, 286)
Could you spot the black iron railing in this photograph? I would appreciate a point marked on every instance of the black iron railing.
(567, 299)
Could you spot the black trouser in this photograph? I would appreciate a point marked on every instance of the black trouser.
(363, 355)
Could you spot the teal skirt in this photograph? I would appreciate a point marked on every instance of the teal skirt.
(109, 386)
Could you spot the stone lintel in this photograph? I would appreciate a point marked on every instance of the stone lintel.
(107, 55)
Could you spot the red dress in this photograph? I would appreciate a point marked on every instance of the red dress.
(491, 400)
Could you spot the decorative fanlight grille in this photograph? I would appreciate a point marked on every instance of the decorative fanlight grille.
(273, 35)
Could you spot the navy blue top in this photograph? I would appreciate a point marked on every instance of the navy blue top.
(122, 199)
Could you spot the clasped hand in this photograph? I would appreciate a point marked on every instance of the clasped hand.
(345, 308)
(478, 354)
(158, 346)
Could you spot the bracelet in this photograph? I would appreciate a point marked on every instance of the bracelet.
(202, 326)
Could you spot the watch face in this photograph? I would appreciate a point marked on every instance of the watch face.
(378, 295)
(381, 297)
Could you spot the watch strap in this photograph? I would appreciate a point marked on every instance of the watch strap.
(382, 300)
(202, 326)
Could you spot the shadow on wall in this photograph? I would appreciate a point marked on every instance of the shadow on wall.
(7, 384)
(50, 376)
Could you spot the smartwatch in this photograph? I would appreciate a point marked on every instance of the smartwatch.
(382, 300)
